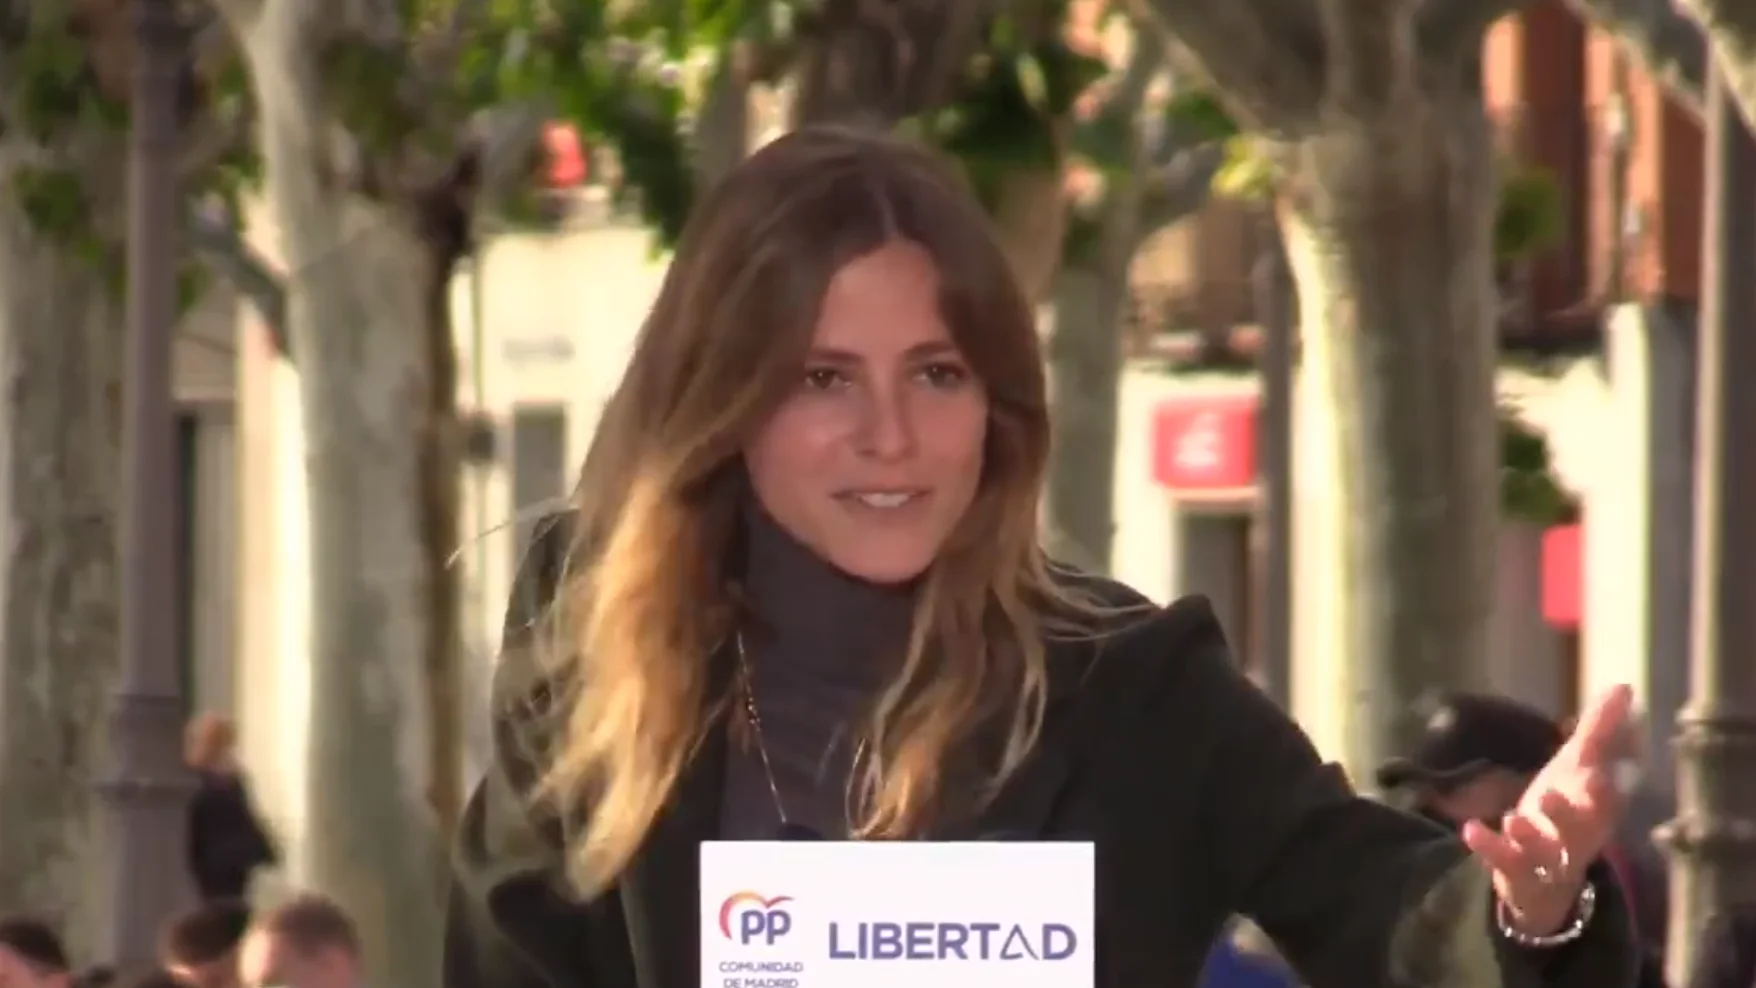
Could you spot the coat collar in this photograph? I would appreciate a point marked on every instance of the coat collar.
(660, 890)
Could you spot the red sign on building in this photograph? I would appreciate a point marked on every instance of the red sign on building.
(1205, 444)
(566, 165)
(1563, 589)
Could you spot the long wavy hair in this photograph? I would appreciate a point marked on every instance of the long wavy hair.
(649, 593)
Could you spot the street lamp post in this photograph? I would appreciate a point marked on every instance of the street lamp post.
(1277, 320)
(1713, 839)
(148, 788)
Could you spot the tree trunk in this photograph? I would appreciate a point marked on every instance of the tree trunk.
(1388, 227)
(1272, 531)
(1085, 355)
(874, 64)
(61, 339)
(362, 285)
(1731, 35)
(1085, 370)
(441, 516)
(722, 128)
(1030, 215)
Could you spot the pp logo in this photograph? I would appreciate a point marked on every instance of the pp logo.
(748, 917)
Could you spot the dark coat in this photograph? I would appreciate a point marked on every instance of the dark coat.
(1725, 955)
(1202, 797)
(227, 842)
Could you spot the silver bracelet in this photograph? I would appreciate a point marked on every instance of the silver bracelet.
(1582, 911)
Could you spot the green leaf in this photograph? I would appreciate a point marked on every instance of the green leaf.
(1106, 141)
(1529, 217)
(1067, 74)
(1529, 489)
(1199, 112)
(1083, 238)
(1032, 83)
(55, 81)
(1246, 174)
(995, 125)
(193, 281)
(54, 201)
(361, 81)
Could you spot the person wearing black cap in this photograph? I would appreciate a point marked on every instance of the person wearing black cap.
(1474, 759)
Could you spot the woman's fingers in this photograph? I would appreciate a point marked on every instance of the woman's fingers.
(1496, 850)
(1540, 847)
(1594, 740)
(1573, 823)
(1522, 851)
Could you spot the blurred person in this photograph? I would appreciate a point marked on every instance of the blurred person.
(1475, 758)
(155, 978)
(227, 842)
(200, 947)
(807, 531)
(1725, 951)
(1476, 755)
(1245, 958)
(32, 955)
(307, 943)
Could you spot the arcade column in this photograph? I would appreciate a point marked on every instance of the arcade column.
(1638, 531)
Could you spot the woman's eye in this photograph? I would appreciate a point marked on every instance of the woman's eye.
(944, 375)
(824, 378)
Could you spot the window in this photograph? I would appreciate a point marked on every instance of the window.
(1570, 671)
(539, 469)
(185, 472)
(1216, 563)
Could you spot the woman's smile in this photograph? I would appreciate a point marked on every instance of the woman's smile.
(884, 500)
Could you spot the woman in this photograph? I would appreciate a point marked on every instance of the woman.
(227, 842)
(801, 594)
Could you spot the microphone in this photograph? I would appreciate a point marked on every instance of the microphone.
(797, 831)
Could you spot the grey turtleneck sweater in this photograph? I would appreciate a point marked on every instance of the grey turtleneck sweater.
(820, 648)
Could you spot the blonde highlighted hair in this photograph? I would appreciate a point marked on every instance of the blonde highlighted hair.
(648, 596)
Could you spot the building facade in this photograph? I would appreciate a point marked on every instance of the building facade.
(546, 321)
(1609, 313)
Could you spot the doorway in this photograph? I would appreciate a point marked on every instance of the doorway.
(1216, 560)
(539, 470)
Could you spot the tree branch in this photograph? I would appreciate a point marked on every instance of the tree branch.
(953, 31)
(1731, 31)
(1368, 51)
(1669, 45)
(1145, 64)
(1449, 29)
(720, 132)
(215, 137)
(1180, 187)
(239, 15)
(220, 245)
(466, 16)
(1264, 58)
(437, 54)
(503, 140)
